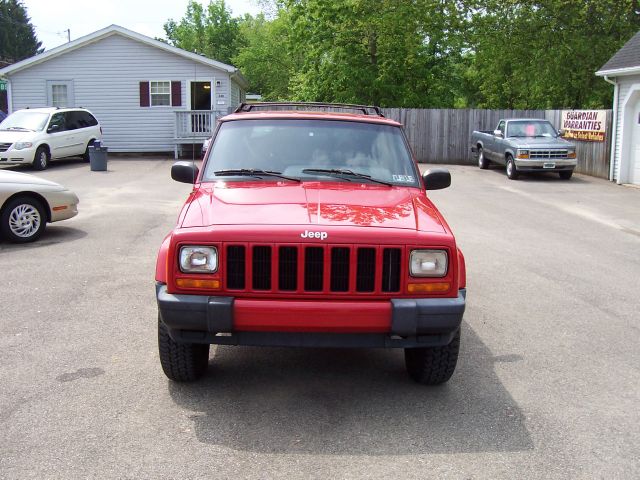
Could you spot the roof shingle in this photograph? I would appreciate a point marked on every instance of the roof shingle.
(627, 57)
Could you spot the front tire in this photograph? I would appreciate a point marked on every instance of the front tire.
(181, 362)
(41, 159)
(433, 365)
(23, 220)
(483, 163)
(565, 174)
(512, 173)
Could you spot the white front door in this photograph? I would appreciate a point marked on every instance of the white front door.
(634, 166)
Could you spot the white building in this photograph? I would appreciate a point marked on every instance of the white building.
(623, 71)
(147, 95)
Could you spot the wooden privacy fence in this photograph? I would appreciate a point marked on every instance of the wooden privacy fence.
(444, 135)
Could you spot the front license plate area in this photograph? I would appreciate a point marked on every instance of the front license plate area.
(548, 165)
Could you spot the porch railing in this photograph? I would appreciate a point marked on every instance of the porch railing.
(197, 124)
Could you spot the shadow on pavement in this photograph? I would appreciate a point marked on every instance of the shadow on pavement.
(351, 402)
(52, 235)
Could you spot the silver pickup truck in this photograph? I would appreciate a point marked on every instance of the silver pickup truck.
(525, 145)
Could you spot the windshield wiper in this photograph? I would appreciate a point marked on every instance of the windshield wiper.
(339, 172)
(19, 128)
(252, 172)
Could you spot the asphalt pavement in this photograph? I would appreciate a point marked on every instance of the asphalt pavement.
(547, 385)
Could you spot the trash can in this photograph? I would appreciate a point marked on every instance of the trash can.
(98, 157)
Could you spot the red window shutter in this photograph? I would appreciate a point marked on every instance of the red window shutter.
(176, 94)
(144, 94)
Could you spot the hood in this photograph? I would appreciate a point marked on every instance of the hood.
(14, 136)
(312, 203)
(18, 178)
(542, 142)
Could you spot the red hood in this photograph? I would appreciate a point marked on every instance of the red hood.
(311, 203)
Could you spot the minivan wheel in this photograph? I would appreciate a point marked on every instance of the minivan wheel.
(85, 155)
(41, 159)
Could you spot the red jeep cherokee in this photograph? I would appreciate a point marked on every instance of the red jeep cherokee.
(310, 228)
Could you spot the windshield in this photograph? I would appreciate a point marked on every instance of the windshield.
(24, 120)
(531, 128)
(322, 150)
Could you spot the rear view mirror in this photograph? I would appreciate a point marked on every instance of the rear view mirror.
(436, 178)
(185, 172)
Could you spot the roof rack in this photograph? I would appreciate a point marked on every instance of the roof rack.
(365, 109)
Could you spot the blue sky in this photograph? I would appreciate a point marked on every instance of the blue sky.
(52, 18)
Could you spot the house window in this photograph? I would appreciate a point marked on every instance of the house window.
(60, 93)
(160, 93)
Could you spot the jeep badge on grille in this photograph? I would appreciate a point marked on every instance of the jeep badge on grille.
(320, 235)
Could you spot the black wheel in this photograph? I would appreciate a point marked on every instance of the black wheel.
(23, 220)
(565, 174)
(483, 163)
(182, 362)
(41, 159)
(432, 365)
(85, 155)
(512, 173)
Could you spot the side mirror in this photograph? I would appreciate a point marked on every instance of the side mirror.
(53, 128)
(436, 178)
(185, 172)
(498, 133)
(561, 132)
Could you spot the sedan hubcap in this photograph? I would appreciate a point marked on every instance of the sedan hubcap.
(24, 220)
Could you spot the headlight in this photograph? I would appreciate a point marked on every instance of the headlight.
(522, 153)
(571, 153)
(428, 263)
(22, 145)
(198, 259)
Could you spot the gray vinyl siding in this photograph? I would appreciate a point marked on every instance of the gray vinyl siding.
(624, 86)
(235, 95)
(106, 76)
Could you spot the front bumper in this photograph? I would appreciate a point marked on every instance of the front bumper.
(406, 323)
(16, 157)
(545, 165)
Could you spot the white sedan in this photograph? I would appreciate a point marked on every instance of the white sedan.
(28, 202)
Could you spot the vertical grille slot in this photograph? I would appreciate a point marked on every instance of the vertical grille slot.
(261, 278)
(366, 272)
(339, 269)
(313, 269)
(236, 267)
(288, 268)
(391, 270)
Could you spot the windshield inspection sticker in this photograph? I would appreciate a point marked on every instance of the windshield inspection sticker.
(403, 178)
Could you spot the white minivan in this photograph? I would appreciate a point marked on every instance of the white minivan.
(38, 135)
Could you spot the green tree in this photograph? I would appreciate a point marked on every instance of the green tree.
(543, 53)
(17, 36)
(267, 58)
(377, 51)
(212, 31)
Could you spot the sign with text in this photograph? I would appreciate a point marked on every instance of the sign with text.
(586, 125)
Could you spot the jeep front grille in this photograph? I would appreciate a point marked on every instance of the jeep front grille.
(548, 154)
(312, 268)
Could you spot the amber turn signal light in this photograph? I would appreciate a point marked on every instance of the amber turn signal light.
(438, 287)
(195, 283)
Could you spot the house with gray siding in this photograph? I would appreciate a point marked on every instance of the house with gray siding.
(147, 95)
(623, 71)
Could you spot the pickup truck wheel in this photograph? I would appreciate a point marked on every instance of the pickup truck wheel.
(565, 174)
(483, 163)
(512, 173)
(181, 362)
(432, 365)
